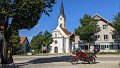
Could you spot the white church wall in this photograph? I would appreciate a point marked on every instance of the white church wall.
(56, 34)
(67, 45)
(61, 31)
(58, 44)
(60, 35)
(61, 21)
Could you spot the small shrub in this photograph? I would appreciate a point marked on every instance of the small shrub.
(73, 52)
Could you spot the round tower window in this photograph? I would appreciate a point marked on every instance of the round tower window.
(56, 41)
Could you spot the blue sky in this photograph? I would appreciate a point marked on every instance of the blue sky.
(74, 10)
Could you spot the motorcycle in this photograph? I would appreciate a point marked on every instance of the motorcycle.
(82, 56)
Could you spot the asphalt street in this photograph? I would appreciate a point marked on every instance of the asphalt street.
(61, 58)
(63, 61)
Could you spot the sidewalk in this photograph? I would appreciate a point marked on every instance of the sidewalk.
(108, 55)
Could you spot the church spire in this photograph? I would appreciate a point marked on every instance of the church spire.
(62, 10)
(62, 17)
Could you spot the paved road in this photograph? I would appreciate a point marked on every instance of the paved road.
(68, 65)
(61, 61)
(61, 58)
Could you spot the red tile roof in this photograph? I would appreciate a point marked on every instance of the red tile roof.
(1, 26)
(66, 31)
(22, 39)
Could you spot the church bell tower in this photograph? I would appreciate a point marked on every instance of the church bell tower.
(62, 17)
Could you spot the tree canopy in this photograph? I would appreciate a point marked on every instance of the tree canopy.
(20, 14)
(116, 22)
(24, 14)
(87, 29)
(41, 39)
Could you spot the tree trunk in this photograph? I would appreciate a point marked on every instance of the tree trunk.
(4, 54)
(6, 57)
(39, 48)
(9, 57)
(38, 51)
(47, 51)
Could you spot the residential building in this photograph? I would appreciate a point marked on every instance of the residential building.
(25, 44)
(107, 38)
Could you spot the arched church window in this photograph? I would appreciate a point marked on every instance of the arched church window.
(60, 25)
(60, 18)
(55, 34)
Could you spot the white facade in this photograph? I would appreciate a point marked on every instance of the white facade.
(61, 21)
(61, 37)
(106, 39)
(61, 43)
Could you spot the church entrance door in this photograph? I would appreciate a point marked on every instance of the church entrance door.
(56, 50)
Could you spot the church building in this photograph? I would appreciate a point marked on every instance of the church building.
(63, 39)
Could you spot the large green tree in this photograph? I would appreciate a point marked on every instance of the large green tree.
(116, 25)
(41, 39)
(37, 42)
(15, 40)
(17, 15)
(116, 22)
(47, 40)
(87, 29)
